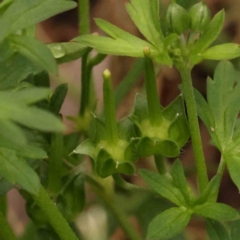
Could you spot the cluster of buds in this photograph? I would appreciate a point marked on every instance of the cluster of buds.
(178, 19)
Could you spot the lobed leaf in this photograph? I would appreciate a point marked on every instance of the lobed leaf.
(146, 20)
(168, 223)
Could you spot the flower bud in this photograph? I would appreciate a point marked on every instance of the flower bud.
(176, 19)
(199, 16)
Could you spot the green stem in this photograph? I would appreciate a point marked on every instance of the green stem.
(120, 216)
(154, 108)
(109, 109)
(128, 186)
(159, 162)
(6, 232)
(87, 67)
(122, 219)
(194, 127)
(85, 85)
(55, 164)
(84, 19)
(55, 218)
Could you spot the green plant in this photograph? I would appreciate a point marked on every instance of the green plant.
(35, 154)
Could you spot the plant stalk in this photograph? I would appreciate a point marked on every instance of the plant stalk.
(55, 163)
(109, 109)
(155, 114)
(188, 94)
(102, 191)
(6, 232)
(55, 218)
(84, 16)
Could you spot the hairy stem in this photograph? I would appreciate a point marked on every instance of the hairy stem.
(55, 218)
(194, 127)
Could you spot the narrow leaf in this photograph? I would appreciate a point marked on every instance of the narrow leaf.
(162, 186)
(58, 98)
(22, 14)
(67, 52)
(179, 179)
(210, 34)
(217, 211)
(168, 224)
(18, 172)
(235, 230)
(222, 52)
(35, 51)
(216, 231)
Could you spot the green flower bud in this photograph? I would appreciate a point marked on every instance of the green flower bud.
(199, 16)
(176, 19)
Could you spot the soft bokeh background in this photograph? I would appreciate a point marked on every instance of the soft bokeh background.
(93, 221)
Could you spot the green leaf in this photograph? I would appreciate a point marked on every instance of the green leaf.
(162, 186)
(71, 200)
(210, 192)
(26, 96)
(106, 165)
(223, 96)
(97, 130)
(216, 231)
(58, 98)
(222, 52)
(209, 35)
(179, 179)
(126, 129)
(235, 230)
(18, 172)
(36, 51)
(22, 14)
(15, 70)
(168, 224)
(67, 51)
(5, 186)
(217, 211)
(87, 148)
(140, 109)
(146, 20)
(33, 117)
(233, 165)
(107, 45)
(117, 33)
(6, 51)
(178, 130)
(186, 3)
(12, 132)
(155, 146)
